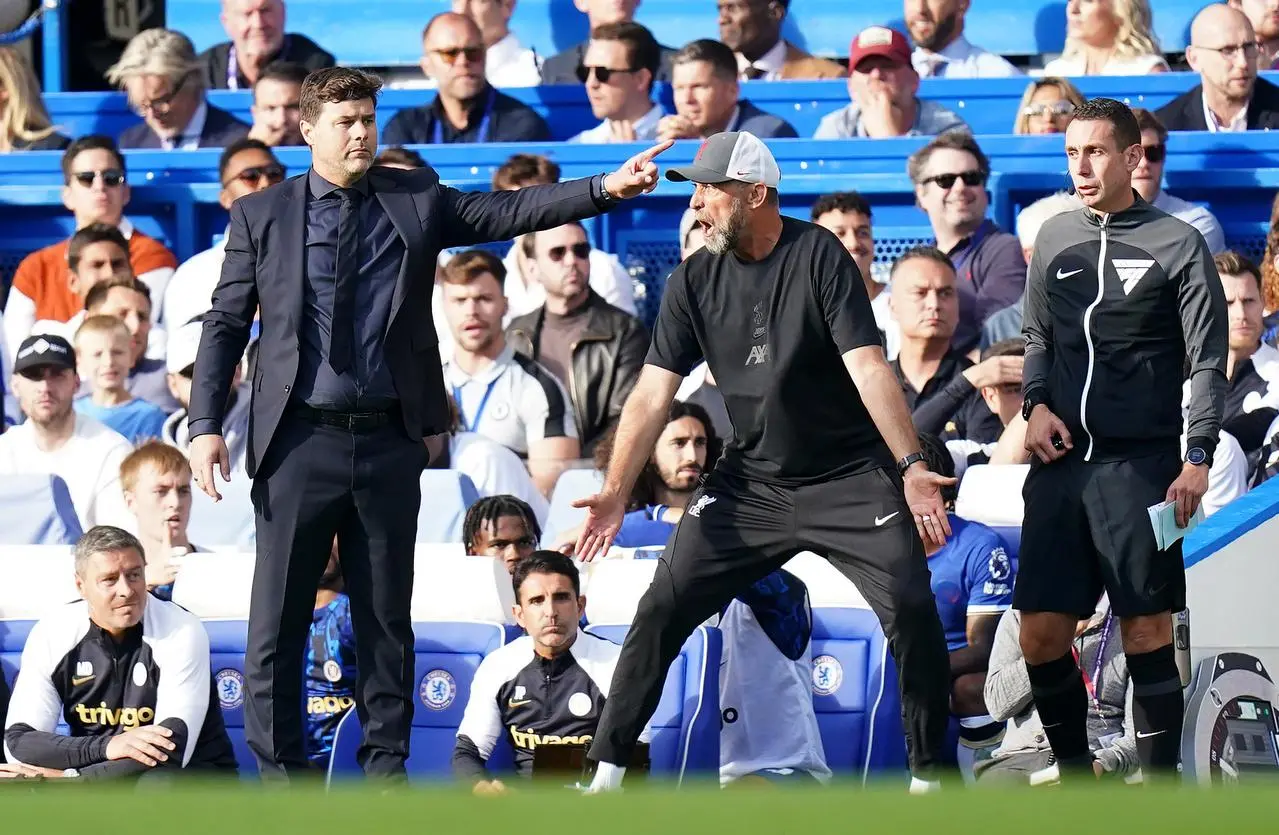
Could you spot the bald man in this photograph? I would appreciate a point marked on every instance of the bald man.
(1230, 98)
(466, 107)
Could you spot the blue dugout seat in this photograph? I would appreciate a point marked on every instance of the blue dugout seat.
(446, 496)
(37, 510)
(226, 658)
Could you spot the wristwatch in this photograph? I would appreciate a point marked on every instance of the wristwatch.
(1032, 400)
(904, 464)
(1198, 456)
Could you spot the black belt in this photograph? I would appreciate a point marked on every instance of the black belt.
(351, 421)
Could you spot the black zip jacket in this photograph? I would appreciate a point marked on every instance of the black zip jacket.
(1118, 307)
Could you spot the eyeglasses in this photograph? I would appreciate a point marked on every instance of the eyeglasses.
(947, 181)
(1061, 108)
(111, 177)
(602, 74)
(1155, 153)
(473, 54)
(580, 251)
(1249, 50)
(161, 105)
(254, 174)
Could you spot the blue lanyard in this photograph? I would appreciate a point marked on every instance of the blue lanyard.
(437, 137)
(1092, 683)
(479, 413)
(233, 64)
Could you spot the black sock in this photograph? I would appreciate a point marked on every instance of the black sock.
(1157, 709)
(1062, 701)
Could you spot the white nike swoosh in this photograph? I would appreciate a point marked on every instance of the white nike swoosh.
(1061, 275)
(879, 521)
(1140, 735)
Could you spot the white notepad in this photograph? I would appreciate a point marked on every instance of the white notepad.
(1163, 520)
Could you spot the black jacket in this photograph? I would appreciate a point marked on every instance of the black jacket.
(1186, 112)
(1110, 355)
(265, 256)
(606, 363)
(220, 130)
(296, 49)
(509, 120)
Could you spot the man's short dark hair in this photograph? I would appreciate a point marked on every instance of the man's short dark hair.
(238, 146)
(649, 482)
(94, 233)
(101, 539)
(1147, 121)
(98, 294)
(467, 266)
(840, 201)
(1231, 262)
(529, 242)
(489, 509)
(923, 252)
(642, 49)
(1118, 114)
(286, 71)
(400, 156)
(1014, 346)
(545, 562)
(334, 85)
(522, 170)
(92, 142)
(719, 56)
(937, 458)
(953, 140)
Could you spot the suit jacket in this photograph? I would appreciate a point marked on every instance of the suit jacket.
(799, 64)
(761, 123)
(264, 265)
(1186, 112)
(561, 68)
(220, 130)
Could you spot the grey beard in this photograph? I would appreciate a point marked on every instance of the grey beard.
(721, 239)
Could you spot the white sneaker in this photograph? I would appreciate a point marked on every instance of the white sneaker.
(918, 786)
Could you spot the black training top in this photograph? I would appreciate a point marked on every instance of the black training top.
(773, 333)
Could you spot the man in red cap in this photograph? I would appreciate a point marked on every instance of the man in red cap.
(882, 85)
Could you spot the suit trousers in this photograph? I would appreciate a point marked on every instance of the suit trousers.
(317, 482)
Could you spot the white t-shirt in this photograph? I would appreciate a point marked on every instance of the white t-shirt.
(495, 471)
(514, 401)
(191, 288)
(89, 462)
(887, 325)
(1074, 66)
(1228, 475)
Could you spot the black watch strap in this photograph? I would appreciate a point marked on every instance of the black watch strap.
(1032, 399)
(904, 464)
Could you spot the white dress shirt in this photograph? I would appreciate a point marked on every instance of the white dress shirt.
(645, 129)
(960, 59)
(189, 139)
(1238, 124)
(1196, 215)
(508, 63)
(771, 62)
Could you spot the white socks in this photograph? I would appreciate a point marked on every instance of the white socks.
(918, 786)
(608, 777)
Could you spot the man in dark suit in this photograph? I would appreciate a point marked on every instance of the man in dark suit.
(258, 39)
(708, 97)
(561, 68)
(159, 72)
(348, 394)
(1223, 50)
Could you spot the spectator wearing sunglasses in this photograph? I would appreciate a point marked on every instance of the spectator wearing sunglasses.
(593, 348)
(1148, 180)
(1046, 106)
(562, 68)
(1230, 97)
(619, 69)
(95, 191)
(277, 114)
(950, 175)
(467, 108)
(882, 86)
(163, 80)
(246, 166)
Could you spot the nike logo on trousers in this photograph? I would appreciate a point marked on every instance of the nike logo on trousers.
(880, 520)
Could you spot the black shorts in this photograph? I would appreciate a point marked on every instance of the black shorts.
(1086, 530)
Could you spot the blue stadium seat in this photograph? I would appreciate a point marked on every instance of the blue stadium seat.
(226, 658)
(571, 486)
(13, 637)
(446, 496)
(685, 740)
(855, 694)
(37, 510)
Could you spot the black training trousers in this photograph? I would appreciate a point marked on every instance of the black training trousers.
(736, 531)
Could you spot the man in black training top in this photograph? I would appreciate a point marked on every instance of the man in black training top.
(127, 671)
(1120, 299)
(779, 312)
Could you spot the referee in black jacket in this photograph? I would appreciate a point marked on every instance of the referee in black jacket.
(824, 455)
(1120, 299)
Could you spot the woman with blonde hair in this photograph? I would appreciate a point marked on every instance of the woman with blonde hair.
(1046, 106)
(1270, 278)
(24, 123)
(1108, 37)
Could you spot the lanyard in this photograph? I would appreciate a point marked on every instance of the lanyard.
(479, 413)
(1092, 682)
(233, 66)
(483, 135)
(961, 260)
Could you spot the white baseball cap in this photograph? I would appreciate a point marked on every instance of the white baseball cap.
(184, 344)
(732, 156)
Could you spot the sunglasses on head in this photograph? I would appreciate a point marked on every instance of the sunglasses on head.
(450, 56)
(602, 74)
(1155, 153)
(272, 172)
(580, 251)
(111, 177)
(947, 181)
